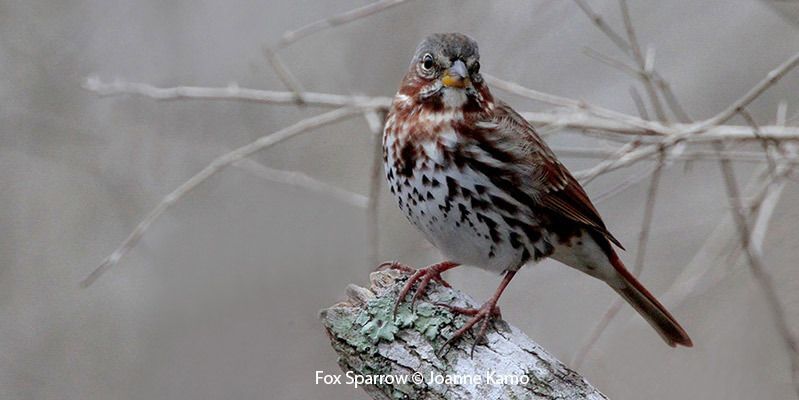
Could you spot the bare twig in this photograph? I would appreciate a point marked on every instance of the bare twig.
(336, 20)
(603, 26)
(694, 155)
(762, 277)
(674, 104)
(522, 91)
(620, 187)
(682, 132)
(769, 147)
(215, 166)
(765, 209)
(645, 65)
(231, 92)
(375, 121)
(301, 180)
(613, 62)
(285, 75)
(649, 211)
(771, 78)
(639, 103)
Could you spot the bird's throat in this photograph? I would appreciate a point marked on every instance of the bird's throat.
(453, 98)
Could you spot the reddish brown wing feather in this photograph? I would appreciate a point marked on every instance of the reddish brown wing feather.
(562, 193)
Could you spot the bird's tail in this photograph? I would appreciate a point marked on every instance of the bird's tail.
(649, 307)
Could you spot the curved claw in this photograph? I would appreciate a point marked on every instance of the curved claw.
(425, 275)
(395, 265)
(483, 315)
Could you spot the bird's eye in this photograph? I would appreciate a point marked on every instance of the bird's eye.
(427, 62)
(476, 67)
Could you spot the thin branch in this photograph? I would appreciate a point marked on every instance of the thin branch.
(215, 166)
(285, 75)
(346, 17)
(649, 211)
(694, 155)
(762, 277)
(784, 169)
(671, 99)
(522, 91)
(603, 26)
(303, 181)
(644, 64)
(782, 112)
(232, 92)
(765, 209)
(375, 121)
(772, 164)
(771, 78)
(613, 62)
(683, 132)
(639, 103)
(620, 187)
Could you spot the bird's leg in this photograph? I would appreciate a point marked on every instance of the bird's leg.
(482, 315)
(424, 275)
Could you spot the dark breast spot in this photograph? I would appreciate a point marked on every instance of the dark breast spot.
(408, 159)
(452, 187)
(503, 204)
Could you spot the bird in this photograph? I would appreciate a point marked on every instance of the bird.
(475, 178)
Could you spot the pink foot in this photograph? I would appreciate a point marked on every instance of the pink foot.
(423, 275)
(483, 315)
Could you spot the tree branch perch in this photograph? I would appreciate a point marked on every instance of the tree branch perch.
(370, 340)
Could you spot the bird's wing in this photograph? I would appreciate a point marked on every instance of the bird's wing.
(558, 190)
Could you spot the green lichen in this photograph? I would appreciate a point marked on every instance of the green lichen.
(430, 319)
(341, 326)
(377, 321)
(380, 322)
(377, 329)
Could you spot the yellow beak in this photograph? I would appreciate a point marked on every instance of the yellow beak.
(454, 81)
(456, 76)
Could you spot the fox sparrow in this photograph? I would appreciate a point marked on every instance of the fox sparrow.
(476, 179)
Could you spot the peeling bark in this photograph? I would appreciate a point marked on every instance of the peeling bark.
(373, 343)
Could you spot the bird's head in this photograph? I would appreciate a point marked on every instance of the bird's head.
(445, 69)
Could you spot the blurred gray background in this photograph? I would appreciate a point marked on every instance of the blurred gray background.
(220, 298)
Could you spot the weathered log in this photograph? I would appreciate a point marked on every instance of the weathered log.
(379, 348)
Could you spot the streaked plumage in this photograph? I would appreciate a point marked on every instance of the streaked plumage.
(474, 177)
